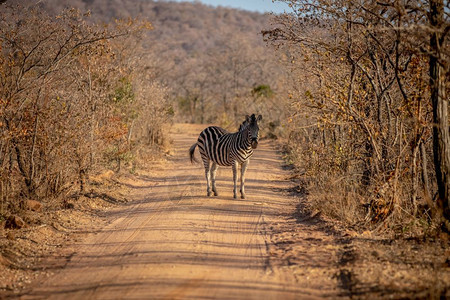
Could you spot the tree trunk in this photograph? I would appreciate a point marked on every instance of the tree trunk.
(426, 186)
(22, 168)
(202, 107)
(441, 137)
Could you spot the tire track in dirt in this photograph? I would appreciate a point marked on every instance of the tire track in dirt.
(171, 242)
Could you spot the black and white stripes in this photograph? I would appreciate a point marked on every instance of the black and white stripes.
(218, 147)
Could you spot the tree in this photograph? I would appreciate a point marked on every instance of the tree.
(439, 73)
(380, 50)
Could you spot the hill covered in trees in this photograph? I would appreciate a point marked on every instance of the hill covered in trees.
(213, 60)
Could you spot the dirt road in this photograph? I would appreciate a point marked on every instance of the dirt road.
(172, 242)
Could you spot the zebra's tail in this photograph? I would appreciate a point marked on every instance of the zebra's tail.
(191, 153)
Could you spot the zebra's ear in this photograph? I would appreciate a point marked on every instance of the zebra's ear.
(247, 118)
(259, 118)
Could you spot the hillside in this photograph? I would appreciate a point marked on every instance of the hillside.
(210, 58)
(194, 26)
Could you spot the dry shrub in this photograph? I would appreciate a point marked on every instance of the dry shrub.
(337, 204)
(149, 136)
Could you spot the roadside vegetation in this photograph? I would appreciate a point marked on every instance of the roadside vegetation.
(75, 98)
(368, 123)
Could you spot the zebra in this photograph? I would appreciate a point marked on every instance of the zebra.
(218, 147)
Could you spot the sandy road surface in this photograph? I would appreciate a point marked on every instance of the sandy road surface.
(172, 242)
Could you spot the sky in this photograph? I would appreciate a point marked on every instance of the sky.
(252, 5)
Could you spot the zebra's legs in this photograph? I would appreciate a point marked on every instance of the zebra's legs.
(235, 166)
(243, 169)
(208, 177)
(214, 168)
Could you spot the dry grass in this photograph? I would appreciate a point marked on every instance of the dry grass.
(383, 207)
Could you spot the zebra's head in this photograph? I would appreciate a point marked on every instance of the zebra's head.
(253, 129)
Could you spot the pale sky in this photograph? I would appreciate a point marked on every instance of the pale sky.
(252, 5)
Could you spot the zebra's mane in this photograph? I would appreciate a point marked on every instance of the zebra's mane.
(243, 126)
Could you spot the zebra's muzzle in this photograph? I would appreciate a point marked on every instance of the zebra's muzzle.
(254, 143)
